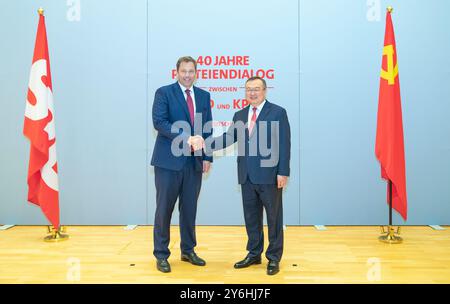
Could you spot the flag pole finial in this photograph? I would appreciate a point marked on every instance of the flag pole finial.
(41, 11)
(390, 9)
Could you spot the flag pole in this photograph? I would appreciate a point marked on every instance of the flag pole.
(54, 234)
(390, 203)
(390, 236)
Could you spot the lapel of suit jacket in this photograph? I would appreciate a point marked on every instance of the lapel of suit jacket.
(198, 107)
(244, 119)
(182, 101)
(264, 112)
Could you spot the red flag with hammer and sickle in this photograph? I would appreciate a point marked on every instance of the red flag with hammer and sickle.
(389, 147)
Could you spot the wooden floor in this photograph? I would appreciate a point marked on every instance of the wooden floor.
(110, 254)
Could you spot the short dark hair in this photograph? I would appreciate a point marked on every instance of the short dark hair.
(186, 59)
(257, 78)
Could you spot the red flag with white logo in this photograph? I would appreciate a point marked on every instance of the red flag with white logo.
(389, 147)
(39, 128)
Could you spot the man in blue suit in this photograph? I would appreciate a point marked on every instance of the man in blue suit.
(180, 111)
(264, 142)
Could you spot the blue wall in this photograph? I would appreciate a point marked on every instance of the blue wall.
(326, 56)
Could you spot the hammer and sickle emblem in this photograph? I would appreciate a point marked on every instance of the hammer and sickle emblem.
(392, 71)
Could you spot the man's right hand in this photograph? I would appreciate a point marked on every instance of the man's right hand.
(196, 142)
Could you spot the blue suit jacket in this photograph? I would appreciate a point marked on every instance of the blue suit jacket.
(169, 107)
(266, 152)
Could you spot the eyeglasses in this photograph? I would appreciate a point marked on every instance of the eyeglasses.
(256, 90)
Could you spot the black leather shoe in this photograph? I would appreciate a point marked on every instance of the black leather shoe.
(247, 262)
(193, 258)
(163, 265)
(273, 267)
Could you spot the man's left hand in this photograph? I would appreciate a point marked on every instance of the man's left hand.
(282, 181)
(206, 166)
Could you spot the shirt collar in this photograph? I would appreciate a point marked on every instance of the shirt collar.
(259, 108)
(183, 88)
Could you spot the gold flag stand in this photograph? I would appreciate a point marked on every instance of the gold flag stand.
(390, 236)
(56, 235)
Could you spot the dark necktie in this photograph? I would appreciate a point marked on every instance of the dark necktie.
(190, 105)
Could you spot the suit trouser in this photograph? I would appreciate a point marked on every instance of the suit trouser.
(172, 185)
(255, 198)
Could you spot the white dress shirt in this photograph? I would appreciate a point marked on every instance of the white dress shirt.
(258, 110)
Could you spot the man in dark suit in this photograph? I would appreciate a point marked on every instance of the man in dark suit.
(263, 134)
(178, 160)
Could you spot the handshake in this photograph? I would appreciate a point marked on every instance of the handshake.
(196, 142)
